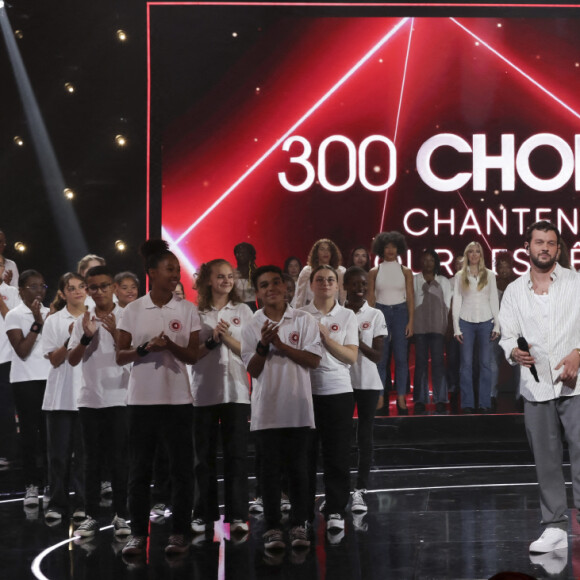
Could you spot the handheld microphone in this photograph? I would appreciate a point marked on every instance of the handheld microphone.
(523, 345)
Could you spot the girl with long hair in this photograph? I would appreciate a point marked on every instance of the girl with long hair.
(221, 399)
(475, 316)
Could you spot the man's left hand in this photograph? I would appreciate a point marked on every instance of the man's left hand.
(570, 363)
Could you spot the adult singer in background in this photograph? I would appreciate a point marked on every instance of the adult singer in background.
(543, 307)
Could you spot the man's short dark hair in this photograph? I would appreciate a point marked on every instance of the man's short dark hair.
(542, 226)
(99, 271)
(264, 270)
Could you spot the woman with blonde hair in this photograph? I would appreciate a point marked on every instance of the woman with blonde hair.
(324, 252)
(475, 315)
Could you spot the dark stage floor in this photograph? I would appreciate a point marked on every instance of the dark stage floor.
(440, 522)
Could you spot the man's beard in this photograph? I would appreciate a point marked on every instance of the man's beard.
(543, 265)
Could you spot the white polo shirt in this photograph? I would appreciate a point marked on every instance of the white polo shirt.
(282, 394)
(64, 382)
(34, 367)
(12, 299)
(159, 378)
(332, 377)
(364, 374)
(220, 376)
(104, 382)
(10, 266)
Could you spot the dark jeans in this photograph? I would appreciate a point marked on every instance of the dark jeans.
(28, 397)
(366, 404)
(105, 428)
(173, 425)
(7, 412)
(397, 318)
(161, 492)
(65, 459)
(433, 343)
(284, 448)
(231, 419)
(333, 416)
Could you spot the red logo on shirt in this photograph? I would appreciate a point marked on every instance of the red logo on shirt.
(294, 337)
(334, 327)
(175, 325)
(236, 321)
(365, 325)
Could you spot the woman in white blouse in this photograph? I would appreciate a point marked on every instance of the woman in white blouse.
(475, 315)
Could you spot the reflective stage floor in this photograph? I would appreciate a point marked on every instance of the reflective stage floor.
(440, 522)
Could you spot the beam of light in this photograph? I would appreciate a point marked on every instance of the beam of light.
(398, 115)
(289, 132)
(468, 208)
(517, 69)
(174, 247)
(69, 231)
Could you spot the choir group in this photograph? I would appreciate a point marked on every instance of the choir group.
(108, 388)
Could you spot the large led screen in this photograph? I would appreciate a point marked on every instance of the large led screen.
(282, 124)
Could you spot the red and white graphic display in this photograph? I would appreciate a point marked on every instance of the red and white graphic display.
(280, 125)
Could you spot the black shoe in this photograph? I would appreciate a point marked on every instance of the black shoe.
(484, 411)
(440, 409)
(401, 410)
(420, 409)
(467, 411)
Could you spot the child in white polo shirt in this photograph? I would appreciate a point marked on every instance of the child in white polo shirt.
(279, 346)
(332, 395)
(102, 400)
(364, 374)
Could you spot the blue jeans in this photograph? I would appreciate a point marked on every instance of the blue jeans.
(424, 343)
(471, 330)
(397, 318)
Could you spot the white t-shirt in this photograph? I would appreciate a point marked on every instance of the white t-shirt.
(34, 367)
(332, 377)
(304, 295)
(364, 374)
(159, 378)
(104, 382)
(64, 382)
(220, 376)
(12, 299)
(10, 266)
(282, 394)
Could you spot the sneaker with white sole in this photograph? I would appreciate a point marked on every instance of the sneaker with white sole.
(4, 462)
(79, 514)
(257, 506)
(335, 522)
(285, 505)
(358, 503)
(135, 546)
(158, 510)
(274, 540)
(199, 526)
(237, 526)
(88, 528)
(551, 539)
(299, 537)
(31, 495)
(177, 544)
(52, 514)
(120, 527)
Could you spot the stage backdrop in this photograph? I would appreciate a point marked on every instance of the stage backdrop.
(278, 125)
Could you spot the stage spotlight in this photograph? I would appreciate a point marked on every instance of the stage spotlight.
(121, 140)
(120, 245)
(18, 141)
(121, 35)
(69, 88)
(68, 193)
(20, 247)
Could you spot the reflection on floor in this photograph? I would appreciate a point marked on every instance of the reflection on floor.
(428, 523)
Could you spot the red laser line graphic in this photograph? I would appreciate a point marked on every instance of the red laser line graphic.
(398, 114)
(308, 113)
